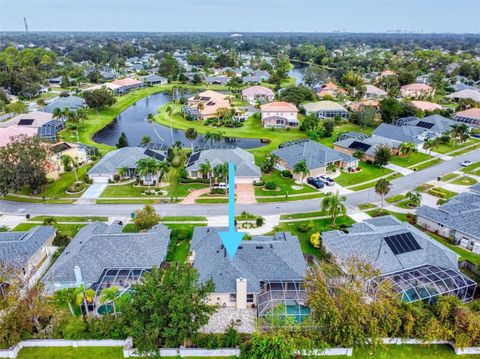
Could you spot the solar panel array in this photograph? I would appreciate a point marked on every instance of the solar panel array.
(153, 154)
(193, 158)
(359, 146)
(25, 122)
(424, 124)
(402, 243)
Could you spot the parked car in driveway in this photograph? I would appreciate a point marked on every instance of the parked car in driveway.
(327, 180)
(315, 182)
(220, 185)
(466, 163)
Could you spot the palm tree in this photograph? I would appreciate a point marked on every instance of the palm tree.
(302, 169)
(68, 161)
(84, 296)
(200, 106)
(455, 129)
(333, 206)
(122, 171)
(407, 148)
(331, 167)
(49, 221)
(57, 113)
(414, 198)
(169, 111)
(217, 172)
(150, 118)
(146, 140)
(213, 136)
(431, 144)
(382, 187)
(206, 170)
(162, 167)
(108, 295)
(82, 114)
(147, 166)
(191, 134)
(67, 296)
(463, 131)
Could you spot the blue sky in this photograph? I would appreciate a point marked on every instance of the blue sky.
(457, 16)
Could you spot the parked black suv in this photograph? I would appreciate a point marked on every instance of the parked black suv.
(315, 182)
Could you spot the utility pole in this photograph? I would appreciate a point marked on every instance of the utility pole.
(25, 23)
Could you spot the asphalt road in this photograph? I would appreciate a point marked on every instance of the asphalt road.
(400, 185)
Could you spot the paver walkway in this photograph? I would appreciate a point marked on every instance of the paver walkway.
(245, 193)
(192, 196)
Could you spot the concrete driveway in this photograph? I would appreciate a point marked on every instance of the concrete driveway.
(92, 193)
(245, 193)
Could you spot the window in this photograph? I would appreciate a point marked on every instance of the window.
(249, 298)
(233, 297)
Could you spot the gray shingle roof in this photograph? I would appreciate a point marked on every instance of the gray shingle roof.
(154, 78)
(276, 257)
(98, 246)
(461, 213)
(244, 161)
(18, 247)
(440, 124)
(70, 102)
(369, 244)
(315, 154)
(123, 157)
(399, 134)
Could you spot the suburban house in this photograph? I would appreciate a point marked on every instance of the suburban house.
(100, 256)
(30, 252)
(470, 94)
(258, 93)
(419, 267)
(386, 73)
(125, 85)
(206, 104)
(154, 79)
(316, 156)
(355, 142)
(279, 115)
(43, 123)
(217, 80)
(325, 109)
(71, 103)
(458, 219)
(256, 77)
(374, 92)
(330, 89)
(267, 271)
(246, 171)
(7, 133)
(76, 152)
(127, 157)
(416, 90)
(470, 117)
(426, 106)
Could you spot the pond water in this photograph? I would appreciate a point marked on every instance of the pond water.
(133, 122)
(297, 73)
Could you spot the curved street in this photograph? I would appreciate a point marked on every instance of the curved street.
(400, 185)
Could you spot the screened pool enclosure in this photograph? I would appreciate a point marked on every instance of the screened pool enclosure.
(426, 283)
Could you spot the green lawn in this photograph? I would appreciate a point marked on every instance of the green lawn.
(401, 216)
(284, 185)
(476, 147)
(125, 190)
(396, 198)
(70, 219)
(365, 206)
(373, 183)
(449, 177)
(184, 219)
(368, 172)
(318, 225)
(465, 181)
(463, 253)
(291, 198)
(473, 168)
(302, 215)
(211, 200)
(411, 160)
(68, 229)
(180, 239)
(427, 164)
(129, 228)
(71, 353)
(446, 148)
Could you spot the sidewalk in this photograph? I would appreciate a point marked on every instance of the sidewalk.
(402, 170)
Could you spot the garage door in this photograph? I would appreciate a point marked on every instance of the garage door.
(246, 179)
(100, 179)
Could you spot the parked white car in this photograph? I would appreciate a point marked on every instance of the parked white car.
(466, 163)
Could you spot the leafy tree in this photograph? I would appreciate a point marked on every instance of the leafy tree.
(301, 168)
(407, 148)
(69, 163)
(310, 123)
(205, 169)
(269, 163)
(146, 140)
(191, 134)
(269, 346)
(167, 307)
(146, 218)
(169, 67)
(213, 136)
(99, 98)
(122, 141)
(297, 95)
(382, 187)
(17, 107)
(333, 205)
(49, 221)
(328, 126)
(382, 155)
(365, 117)
(431, 144)
(22, 163)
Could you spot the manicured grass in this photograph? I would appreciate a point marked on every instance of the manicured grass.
(70, 219)
(177, 189)
(465, 181)
(183, 219)
(302, 215)
(424, 187)
(180, 239)
(71, 353)
(406, 352)
(68, 229)
(284, 185)
(394, 199)
(404, 205)
(427, 164)
(126, 190)
(441, 192)
(211, 200)
(411, 160)
(401, 216)
(368, 172)
(449, 147)
(127, 201)
(366, 206)
(449, 177)
(11, 197)
(373, 183)
(466, 150)
(291, 198)
(463, 253)
(318, 225)
(474, 167)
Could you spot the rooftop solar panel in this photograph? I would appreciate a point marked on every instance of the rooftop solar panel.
(402, 243)
(25, 122)
(424, 124)
(359, 146)
(193, 158)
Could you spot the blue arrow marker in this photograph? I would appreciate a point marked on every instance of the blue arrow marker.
(231, 239)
